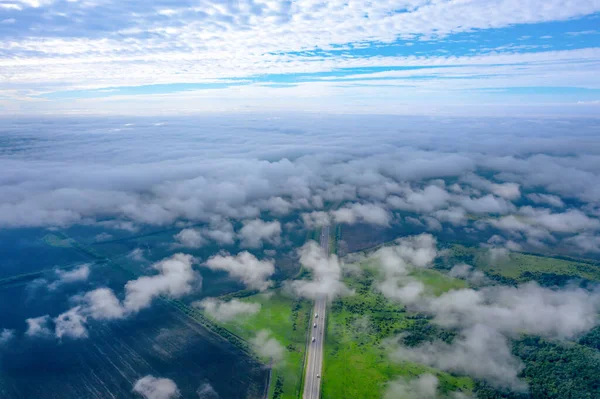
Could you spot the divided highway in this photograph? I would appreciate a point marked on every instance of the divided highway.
(314, 367)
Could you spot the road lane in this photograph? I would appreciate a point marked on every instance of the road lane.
(314, 368)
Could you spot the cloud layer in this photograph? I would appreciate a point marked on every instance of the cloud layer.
(486, 319)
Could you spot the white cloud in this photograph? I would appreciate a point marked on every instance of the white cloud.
(206, 391)
(137, 255)
(423, 387)
(6, 335)
(38, 326)
(176, 278)
(151, 387)
(480, 352)
(267, 346)
(485, 205)
(362, 213)
(177, 46)
(191, 238)
(226, 311)
(71, 324)
(510, 191)
(255, 232)
(316, 219)
(246, 267)
(78, 274)
(552, 200)
(326, 274)
(427, 200)
(570, 221)
(102, 304)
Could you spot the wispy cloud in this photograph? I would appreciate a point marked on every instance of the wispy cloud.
(104, 48)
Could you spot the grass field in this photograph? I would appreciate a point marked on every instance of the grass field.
(287, 319)
(359, 329)
(516, 264)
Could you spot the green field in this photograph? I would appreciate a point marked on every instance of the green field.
(522, 267)
(287, 319)
(359, 333)
(56, 241)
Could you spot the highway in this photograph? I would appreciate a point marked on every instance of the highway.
(314, 367)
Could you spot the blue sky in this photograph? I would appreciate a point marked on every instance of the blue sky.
(399, 57)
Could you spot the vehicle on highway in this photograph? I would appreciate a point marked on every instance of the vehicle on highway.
(313, 339)
(318, 376)
(316, 315)
(315, 325)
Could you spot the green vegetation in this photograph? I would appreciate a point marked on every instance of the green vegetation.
(359, 332)
(55, 240)
(558, 371)
(437, 282)
(287, 319)
(521, 267)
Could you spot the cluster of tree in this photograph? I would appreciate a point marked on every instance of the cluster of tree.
(554, 280)
(553, 370)
(295, 312)
(278, 391)
(591, 339)
(420, 330)
(238, 294)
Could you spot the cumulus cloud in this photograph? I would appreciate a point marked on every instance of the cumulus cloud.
(226, 311)
(479, 352)
(362, 213)
(176, 278)
(485, 318)
(485, 205)
(586, 242)
(206, 391)
(453, 215)
(467, 272)
(78, 274)
(246, 267)
(71, 324)
(571, 221)
(38, 326)
(397, 261)
(255, 232)
(6, 335)
(546, 199)
(528, 308)
(137, 255)
(427, 200)
(191, 238)
(220, 230)
(151, 387)
(326, 274)
(102, 304)
(267, 346)
(510, 191)
(407, 252)
(316, 219)
(488, 317)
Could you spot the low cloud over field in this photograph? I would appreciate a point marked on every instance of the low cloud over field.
(246, 198)
(151, 387)
(486, 319)
(534, 191)
(326, 274)
(227, 311)
(267, 346)
(175, 279)
(246, 267)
